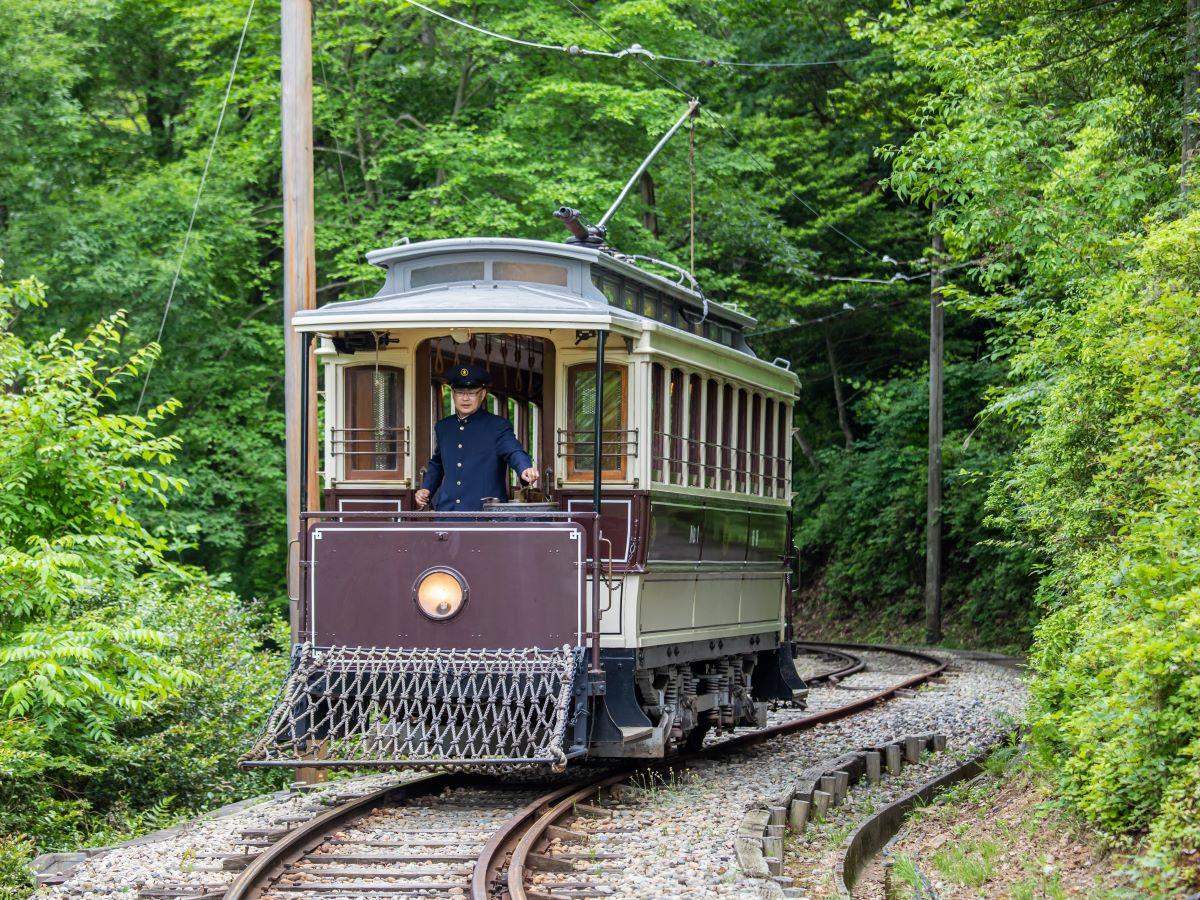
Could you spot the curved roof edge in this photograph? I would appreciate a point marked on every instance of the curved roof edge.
(404, 253)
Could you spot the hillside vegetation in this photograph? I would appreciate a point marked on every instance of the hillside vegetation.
(1044, 141)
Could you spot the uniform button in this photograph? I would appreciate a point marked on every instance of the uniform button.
(460, 465)
(458, 501)
(460, 446)
(462, 427)
(458, 482)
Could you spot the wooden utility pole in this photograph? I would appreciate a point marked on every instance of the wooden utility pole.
(299, 256)
(933, 500)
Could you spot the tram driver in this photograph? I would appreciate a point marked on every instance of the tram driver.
(473, 450)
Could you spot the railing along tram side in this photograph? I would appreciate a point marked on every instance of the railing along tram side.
(302, 729)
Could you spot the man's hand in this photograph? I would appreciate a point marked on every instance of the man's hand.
(422, 498)
(530, 475)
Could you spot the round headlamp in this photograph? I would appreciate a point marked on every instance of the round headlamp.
(440, 593)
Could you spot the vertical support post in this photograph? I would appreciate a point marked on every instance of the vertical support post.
(306, 414)
(299, 258)
(597, 478)
(933, 500)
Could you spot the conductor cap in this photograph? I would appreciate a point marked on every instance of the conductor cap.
(469, 375)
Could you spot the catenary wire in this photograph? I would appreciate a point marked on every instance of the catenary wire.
(640, 54)
(196, 204)
(758, 162)
(634, 50)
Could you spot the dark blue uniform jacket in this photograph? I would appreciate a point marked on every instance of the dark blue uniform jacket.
(471, 459)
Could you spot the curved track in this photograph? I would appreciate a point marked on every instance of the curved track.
(519, 823)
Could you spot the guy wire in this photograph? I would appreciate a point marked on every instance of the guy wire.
(196, 204)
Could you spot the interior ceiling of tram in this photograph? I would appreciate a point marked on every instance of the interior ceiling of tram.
(514, 362)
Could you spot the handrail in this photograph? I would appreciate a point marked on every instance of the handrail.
(669, 468)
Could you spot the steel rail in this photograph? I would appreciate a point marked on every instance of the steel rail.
(851, 664)
(526, 829)
(269, 865)
(523, 832)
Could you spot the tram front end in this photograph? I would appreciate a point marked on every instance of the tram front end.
(433, 640)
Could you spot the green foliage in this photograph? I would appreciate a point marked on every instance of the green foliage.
(1047, 134)
(969, 863)
(1120, 650)
(862, 531)
(125, 677)
(16, 878)
(1089, 265)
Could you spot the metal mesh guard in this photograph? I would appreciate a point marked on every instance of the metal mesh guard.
(367, 706)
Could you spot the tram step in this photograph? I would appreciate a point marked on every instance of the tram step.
(631, 733)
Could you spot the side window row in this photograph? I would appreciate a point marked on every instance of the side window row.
(717, 435)
(705, 432)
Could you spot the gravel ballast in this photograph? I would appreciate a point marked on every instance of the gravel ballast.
(676, 840)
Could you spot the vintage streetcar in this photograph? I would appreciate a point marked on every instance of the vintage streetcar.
(534, 632)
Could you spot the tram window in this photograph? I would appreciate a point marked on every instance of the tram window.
(742, 443)
(611, 288)
(769, 450)
(656, 422)
(446, 273)
(712, 403)
(539, 273)
(727, 438)
(783, 446)
(650, 304)
(581, 407)
(676, 448)
(687, 323)
(695, 438)
(372, 443)
(631, 296)
(755, 443)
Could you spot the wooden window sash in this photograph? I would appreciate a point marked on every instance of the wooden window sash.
(621, 432)
(359, 417)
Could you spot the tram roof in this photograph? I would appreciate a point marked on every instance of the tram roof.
(575, 302)
(512, 305)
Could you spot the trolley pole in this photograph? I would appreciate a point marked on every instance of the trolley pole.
(933, 504)
(299, 259)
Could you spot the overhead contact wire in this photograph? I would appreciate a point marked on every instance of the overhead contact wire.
(758, 162)
(634, 50)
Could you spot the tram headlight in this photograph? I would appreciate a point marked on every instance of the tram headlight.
(440, 593)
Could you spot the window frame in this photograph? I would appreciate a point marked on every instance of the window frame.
(573, 473)
(352, 408)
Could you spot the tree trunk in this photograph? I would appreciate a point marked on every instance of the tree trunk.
(933, 499)
(364, 166)
(839, 399)
(1191, 84)
(806, 448)
(649, 217)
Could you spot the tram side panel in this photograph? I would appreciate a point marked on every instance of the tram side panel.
(701, 623)
(522, 584)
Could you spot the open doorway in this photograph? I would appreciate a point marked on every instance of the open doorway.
(521, 368)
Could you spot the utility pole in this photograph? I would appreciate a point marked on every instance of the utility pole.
(299, 256)
(933, 501)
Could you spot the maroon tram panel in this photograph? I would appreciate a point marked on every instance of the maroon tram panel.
(524, 583)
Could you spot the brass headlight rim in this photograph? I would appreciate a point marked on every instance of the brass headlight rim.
(462, 585)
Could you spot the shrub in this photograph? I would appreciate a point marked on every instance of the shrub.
(128, 682)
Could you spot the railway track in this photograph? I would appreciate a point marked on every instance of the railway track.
(456, 835)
